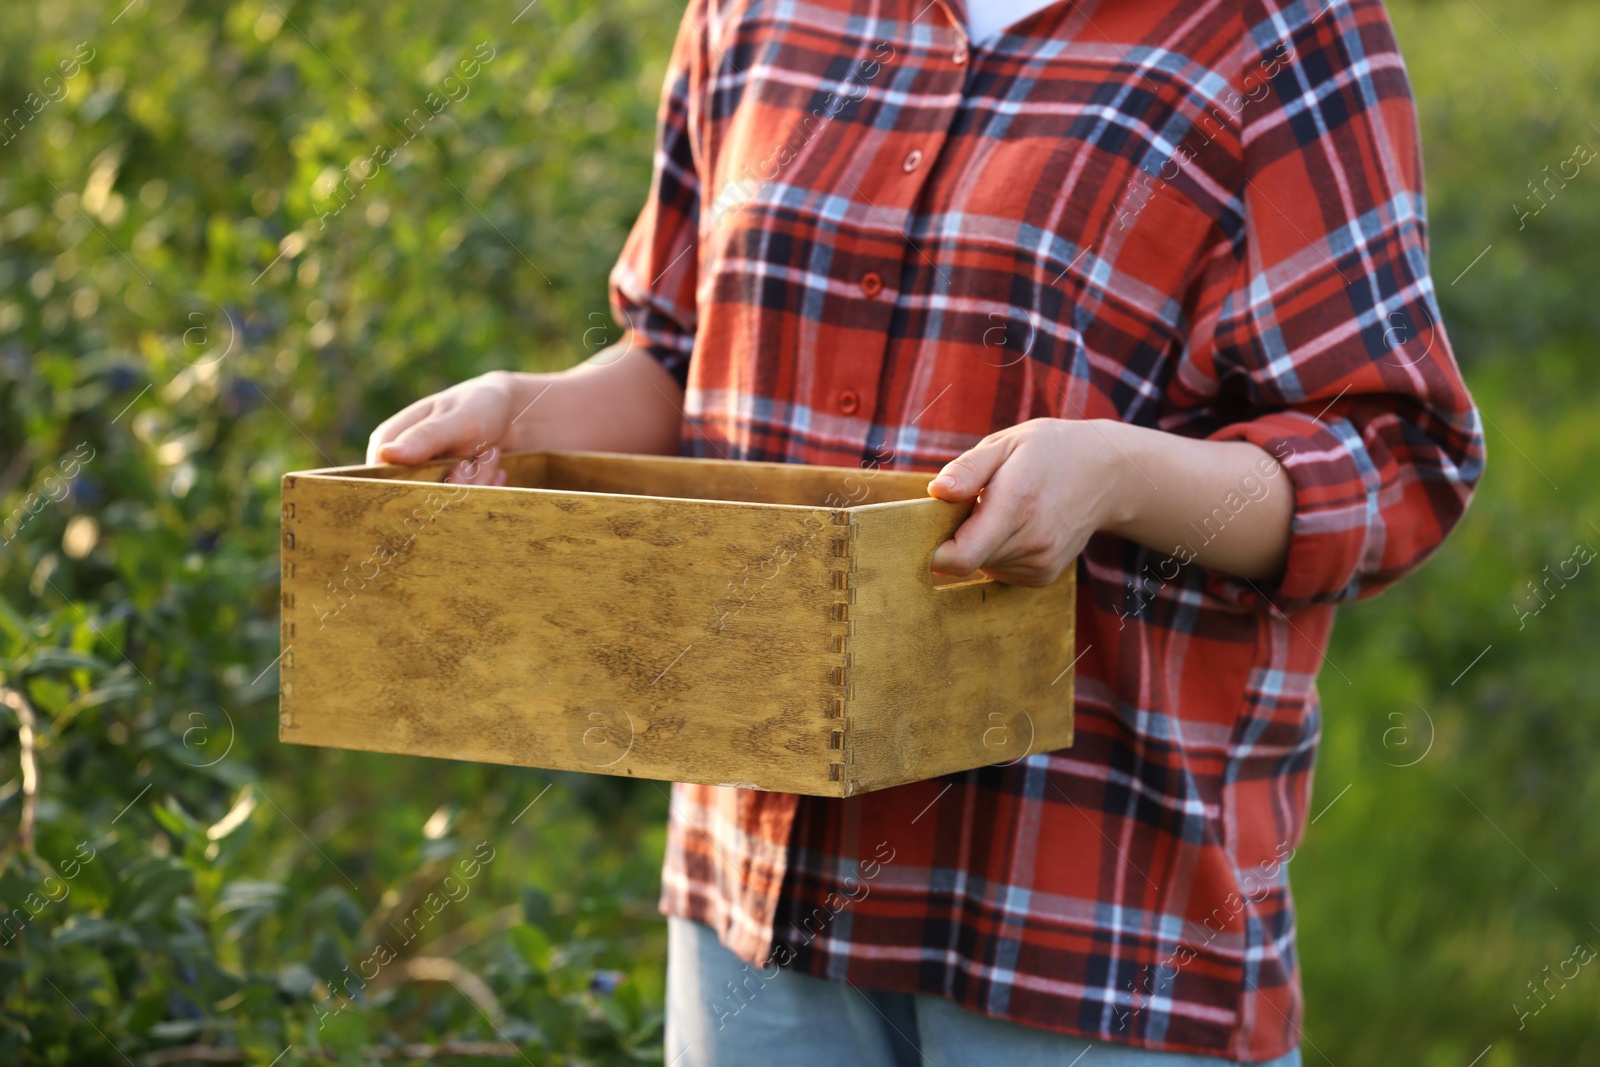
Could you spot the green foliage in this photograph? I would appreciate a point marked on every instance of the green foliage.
(196, 295)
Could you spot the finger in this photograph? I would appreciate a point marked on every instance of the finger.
(391, 427)
(986, 529)
(1031, 567)
(478, 469)
(1034, 555)
(1039, 548)
(437, 435)
(963, 477)
(483, 468)
(488, 474)
(464, 473)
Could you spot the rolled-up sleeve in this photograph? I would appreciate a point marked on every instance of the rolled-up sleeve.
(652, 285)
(1316, 333)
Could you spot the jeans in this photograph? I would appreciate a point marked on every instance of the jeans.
(795, 1020)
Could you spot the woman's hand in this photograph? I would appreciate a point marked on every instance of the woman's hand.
(1046, 485)
(471, 418)
(620, 400)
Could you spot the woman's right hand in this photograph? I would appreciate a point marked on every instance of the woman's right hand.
(471, 418)
(621, 400)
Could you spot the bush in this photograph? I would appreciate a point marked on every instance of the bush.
(207, 282)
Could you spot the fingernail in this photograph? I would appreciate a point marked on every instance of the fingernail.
(943, 481)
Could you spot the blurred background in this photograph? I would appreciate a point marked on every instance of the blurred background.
(192, 304)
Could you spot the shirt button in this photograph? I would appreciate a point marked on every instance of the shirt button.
(960, 55)
(849, 402)
(913, 161)
(871, 283)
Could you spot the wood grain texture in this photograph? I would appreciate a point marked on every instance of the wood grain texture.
(578, 633)
(622, 619)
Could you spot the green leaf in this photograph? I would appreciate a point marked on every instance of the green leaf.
(536, 906)
(14, 624)
(51, 658)
(177, 1029)
(347, 1032)
(296, 979)
(330, 963)
(177, 821)
(100, 933)
(347, 915)
(533, 946)
(156, 887)
(249, 893)
(149, 1008)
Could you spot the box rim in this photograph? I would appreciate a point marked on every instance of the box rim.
(337, 474)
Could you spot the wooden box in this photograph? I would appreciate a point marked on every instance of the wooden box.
(675, 619)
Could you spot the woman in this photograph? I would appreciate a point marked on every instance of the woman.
(1152, 275)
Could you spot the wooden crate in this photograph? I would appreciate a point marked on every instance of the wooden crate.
(674, 619)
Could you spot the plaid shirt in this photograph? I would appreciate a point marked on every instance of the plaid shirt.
(870, 241)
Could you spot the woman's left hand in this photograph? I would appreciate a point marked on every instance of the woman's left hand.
(1046, 485)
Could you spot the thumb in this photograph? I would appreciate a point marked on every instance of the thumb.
(966, 475)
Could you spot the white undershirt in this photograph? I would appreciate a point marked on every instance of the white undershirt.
(985, 18)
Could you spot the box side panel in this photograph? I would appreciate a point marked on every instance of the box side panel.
(947, 679)
(674, 640)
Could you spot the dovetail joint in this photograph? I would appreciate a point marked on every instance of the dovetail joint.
(841, 579)
(840, 675)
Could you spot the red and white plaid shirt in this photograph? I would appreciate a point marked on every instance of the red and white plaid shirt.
(868, 238)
